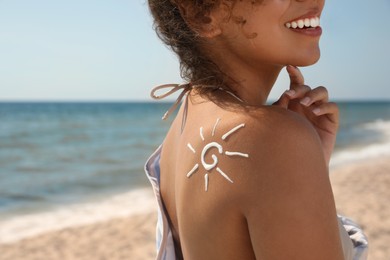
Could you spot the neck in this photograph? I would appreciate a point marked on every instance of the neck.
(250, 80)
(251, 84)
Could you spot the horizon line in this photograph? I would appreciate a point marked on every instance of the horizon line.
(156, 101)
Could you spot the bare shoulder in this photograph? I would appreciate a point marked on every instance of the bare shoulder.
(284, 154)
(283, 186)
(278, 144)
(273, 133)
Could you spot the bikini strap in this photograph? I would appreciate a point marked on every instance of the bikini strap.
(185, 89)
(172, 89)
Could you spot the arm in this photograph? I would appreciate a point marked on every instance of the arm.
(287, 197)
(314, 106)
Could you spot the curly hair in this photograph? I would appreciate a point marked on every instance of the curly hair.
(172, 27)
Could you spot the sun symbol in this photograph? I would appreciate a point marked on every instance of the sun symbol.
(209, 166)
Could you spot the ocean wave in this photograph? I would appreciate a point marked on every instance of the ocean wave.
(139, 201)
(373, 150)
(382, 126)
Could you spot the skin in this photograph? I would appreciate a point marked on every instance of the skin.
(280, 205)
(314, 105)
(256, 62)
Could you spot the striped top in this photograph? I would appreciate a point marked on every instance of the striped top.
(164, 239)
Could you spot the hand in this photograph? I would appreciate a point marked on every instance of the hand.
(314, 105)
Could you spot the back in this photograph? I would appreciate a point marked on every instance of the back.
(199, 199)
(250, 184)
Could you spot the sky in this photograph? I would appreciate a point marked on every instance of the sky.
(107, 50)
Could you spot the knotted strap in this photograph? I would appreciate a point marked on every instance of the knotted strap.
(172, 89)
(185, 88)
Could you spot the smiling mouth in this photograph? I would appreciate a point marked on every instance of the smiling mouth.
(305, 23)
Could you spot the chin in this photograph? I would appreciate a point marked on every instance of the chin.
(307, 59)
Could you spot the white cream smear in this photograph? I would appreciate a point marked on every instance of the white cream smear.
(304, 23)
(210, 166)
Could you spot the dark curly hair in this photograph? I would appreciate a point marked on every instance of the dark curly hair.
(172, 27)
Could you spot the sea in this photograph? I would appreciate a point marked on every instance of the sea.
(72, 163)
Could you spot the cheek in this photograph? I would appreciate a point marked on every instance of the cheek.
(267, 20)
(273, 43)
(278, 49)
(276, 44)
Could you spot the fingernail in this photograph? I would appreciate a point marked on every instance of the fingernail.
(290, 92)
(292, 66)
(305, 101)
(316, 111)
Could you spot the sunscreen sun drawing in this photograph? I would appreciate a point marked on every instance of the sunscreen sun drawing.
(209, 166)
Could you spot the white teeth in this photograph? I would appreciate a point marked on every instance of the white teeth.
(313, 22)
(307, 22)
(301, 23)
(294, 25)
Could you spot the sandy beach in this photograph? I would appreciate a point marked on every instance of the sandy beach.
(362, 193)
(361, 190)
(120, 238)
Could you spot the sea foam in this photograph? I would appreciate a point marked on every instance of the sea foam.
(370, 151)
(135, 202)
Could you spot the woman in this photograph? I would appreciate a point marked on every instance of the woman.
(236, 178)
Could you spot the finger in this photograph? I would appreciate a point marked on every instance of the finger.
(330, 109)
(283, 100)
(317, 95)
(288, 95)
(299, 91)
(296, 77)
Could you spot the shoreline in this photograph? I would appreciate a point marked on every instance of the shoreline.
(360, 189)
(135, 202)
